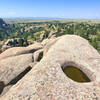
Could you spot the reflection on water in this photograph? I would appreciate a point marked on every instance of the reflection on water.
(76, 74)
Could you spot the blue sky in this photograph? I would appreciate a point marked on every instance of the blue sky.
(89, 9)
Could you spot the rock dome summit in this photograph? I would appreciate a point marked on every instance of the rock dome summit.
(45, 78)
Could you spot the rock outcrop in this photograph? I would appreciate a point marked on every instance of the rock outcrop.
(12, 67)
(42, 36)
(14, 64)
(47, 81)
(52, 34)
(15, 51)
(16, 42)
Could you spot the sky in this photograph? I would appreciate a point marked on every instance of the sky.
(71, 9)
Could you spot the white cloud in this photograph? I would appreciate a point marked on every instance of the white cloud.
(11, 13)
(93, 15)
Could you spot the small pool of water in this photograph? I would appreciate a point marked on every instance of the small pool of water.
(76, 74)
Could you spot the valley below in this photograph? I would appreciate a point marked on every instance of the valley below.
(25, 31)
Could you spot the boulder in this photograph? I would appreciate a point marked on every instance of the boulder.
(15, 51)
(13, 68)
(16, 42)
(47, 81)
(35, 46)
(7, 42)
(46, 41)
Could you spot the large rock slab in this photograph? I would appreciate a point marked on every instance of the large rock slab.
(35, 46)
(12, 69)
(13, 66)
(47, 81)
(20, 50)
(13, 52)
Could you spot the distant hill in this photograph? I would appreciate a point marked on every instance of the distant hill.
(3, 25)
(3, 29)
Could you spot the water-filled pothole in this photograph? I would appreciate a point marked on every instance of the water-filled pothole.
(76, 74)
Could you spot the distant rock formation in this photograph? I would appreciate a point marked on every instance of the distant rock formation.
(42, 36)
(16, 42)
(52, 34)
(44, 79)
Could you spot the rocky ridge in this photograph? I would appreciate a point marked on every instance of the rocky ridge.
(36, 72)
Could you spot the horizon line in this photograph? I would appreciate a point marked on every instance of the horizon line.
(49, 18)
